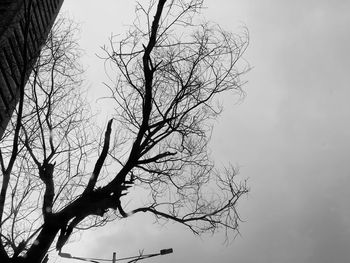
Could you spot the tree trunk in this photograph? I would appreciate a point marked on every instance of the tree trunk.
(39, 249)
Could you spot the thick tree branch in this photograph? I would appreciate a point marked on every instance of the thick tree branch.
(156, 158)
(46, 175)
(100, 160)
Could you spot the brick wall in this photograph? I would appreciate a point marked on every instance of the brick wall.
(20, 43)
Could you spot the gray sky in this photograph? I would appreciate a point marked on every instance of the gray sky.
(290, 136)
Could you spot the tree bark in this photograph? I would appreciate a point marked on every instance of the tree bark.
(38, 250)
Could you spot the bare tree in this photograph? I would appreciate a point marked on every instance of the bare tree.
(170, 70)
(167, 78)
(49, 133)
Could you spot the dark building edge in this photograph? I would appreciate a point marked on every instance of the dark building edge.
(12, 42)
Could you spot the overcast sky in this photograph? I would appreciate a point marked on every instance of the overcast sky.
(290, 136)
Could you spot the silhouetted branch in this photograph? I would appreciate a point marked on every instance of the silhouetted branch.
(101, 159)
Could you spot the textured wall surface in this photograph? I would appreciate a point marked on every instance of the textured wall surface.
(23, 30)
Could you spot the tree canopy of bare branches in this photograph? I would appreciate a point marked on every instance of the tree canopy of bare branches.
(167, 75)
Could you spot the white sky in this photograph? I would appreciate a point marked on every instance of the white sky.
(290, 136)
